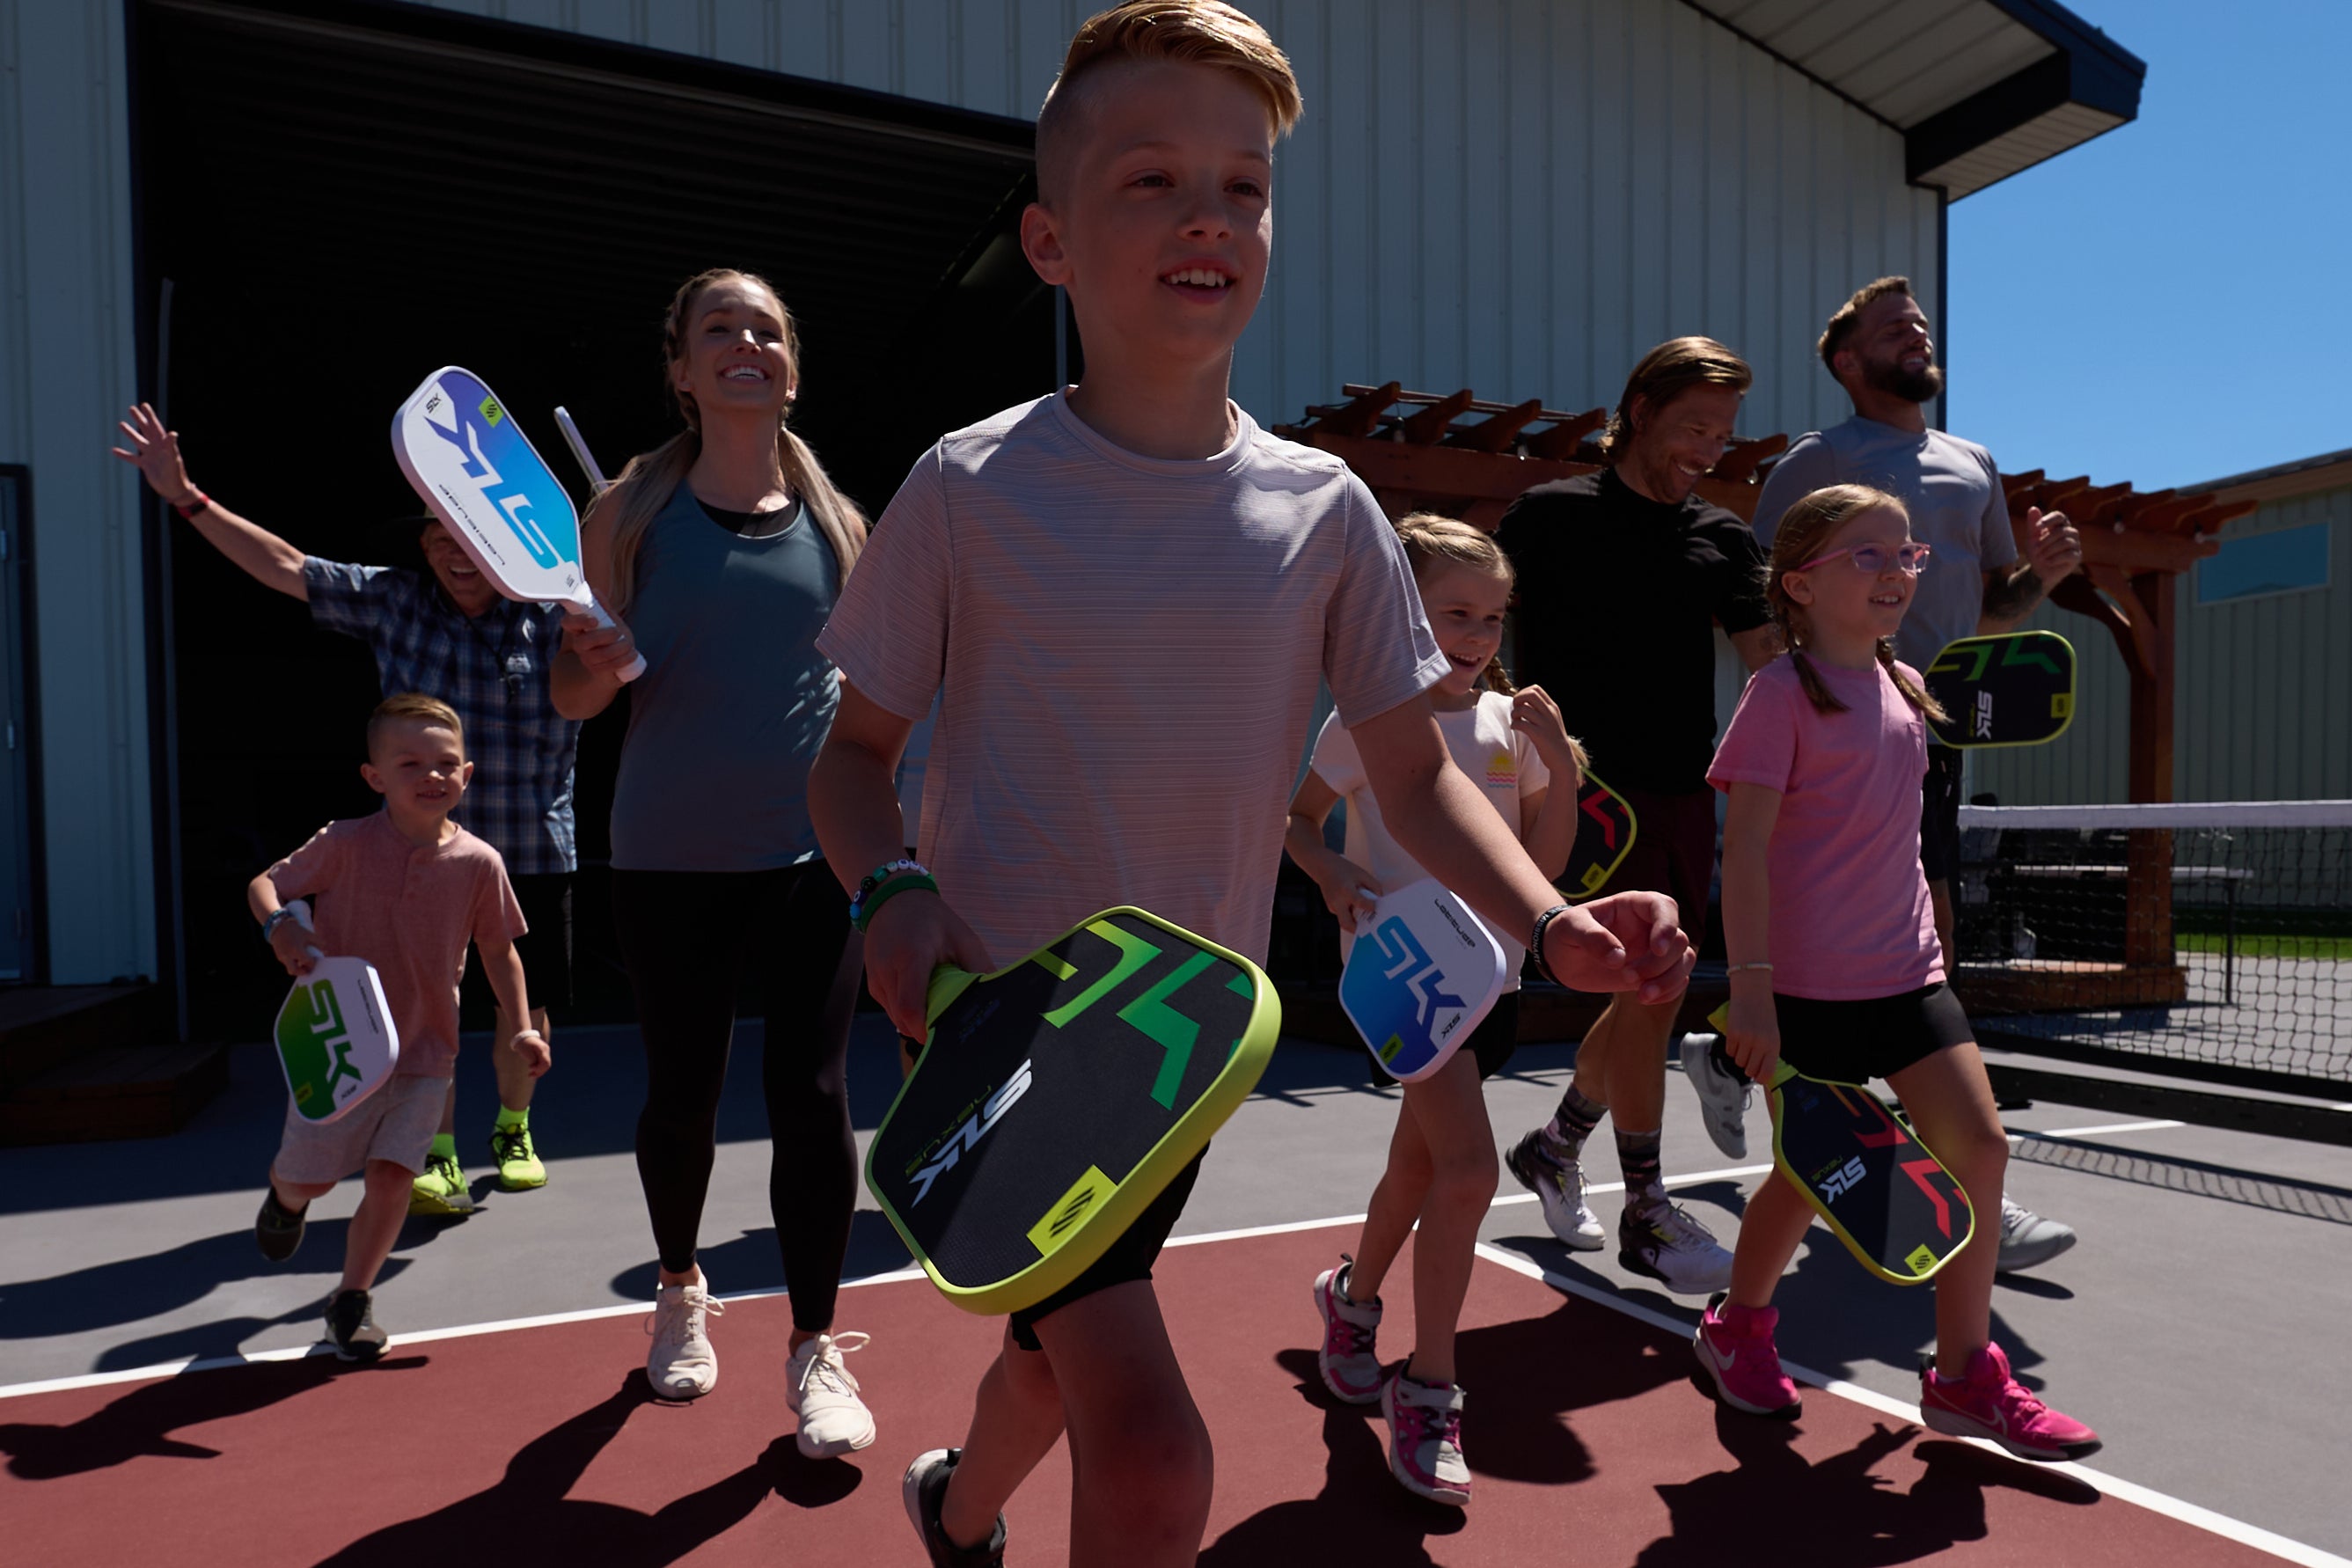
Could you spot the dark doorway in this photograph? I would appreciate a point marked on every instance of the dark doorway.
(344, 197)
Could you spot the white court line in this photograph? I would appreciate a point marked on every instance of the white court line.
(2172, 1507)
(2093, 1131)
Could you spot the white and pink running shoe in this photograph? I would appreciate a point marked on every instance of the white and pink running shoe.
(1425, 1438)
(1349, 1361)
(1990, 1403)
(1734, 1345)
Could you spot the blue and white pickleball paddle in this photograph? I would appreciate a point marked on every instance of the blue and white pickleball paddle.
(1420, 978)
(487, 483)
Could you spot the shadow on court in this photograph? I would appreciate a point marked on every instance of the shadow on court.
(1849, 1515)
(751, 1261)
(531, 1503)
(140, 1423)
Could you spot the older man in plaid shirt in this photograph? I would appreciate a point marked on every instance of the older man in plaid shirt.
(449, 634)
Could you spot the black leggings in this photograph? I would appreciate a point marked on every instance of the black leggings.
(688, 938)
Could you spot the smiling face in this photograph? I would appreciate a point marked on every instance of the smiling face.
(455, 571)
(1464, 605)
(735, 351)
(1845, 603)
(1162, 223)
(1892, 349)
(419, 767)
(1672, 447)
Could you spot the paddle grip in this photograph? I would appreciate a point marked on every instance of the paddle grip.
(595, 612)
(572, 437)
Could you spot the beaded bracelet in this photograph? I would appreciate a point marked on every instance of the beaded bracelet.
(861, 913)
(1738, 968)
(875, 878)
(1535, 941)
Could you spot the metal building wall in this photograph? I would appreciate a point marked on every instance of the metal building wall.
(2262, 688)
(1516, 196)
(67, 366)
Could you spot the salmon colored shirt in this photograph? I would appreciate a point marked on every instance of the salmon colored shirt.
(409, 909)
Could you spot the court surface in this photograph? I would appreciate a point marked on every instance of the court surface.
(511, 1422)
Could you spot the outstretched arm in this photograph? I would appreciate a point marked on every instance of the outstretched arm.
(259, 553)
(1628, 942)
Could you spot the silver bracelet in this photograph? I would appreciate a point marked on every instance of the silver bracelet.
(1737, 968)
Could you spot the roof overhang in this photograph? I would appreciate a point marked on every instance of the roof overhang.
(1978, 89)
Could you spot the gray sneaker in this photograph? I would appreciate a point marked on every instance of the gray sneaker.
(2027, 1240)
(350, 1326)
(1669, 1247)
(923, 1491)
(1559, 1186)
(1722, 1096)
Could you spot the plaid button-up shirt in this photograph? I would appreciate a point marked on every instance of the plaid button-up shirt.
(492, 669)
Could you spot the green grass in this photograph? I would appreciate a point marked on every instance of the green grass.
(2264, 944)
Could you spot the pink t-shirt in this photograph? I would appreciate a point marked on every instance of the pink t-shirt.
(1851, 918)
(410, 910)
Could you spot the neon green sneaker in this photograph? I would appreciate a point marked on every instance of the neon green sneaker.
(518, 1166)
(440, 1188)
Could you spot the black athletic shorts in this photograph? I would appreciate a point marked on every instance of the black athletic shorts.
(1130, 1258)
(546, 948)
(1853, 1042)
(1492, 1042)
(1673, 853)
(1940, 814)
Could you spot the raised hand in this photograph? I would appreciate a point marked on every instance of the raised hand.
(2056, 549)
(155, 453)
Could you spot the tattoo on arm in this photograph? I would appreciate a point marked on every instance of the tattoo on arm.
(2012, 598)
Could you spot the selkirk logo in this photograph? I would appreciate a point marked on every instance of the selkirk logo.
(1843, 1180)
(975, 1128)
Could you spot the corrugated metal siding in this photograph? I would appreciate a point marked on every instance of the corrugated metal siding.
(65, 342)
(1518, 195)
(2264, 685)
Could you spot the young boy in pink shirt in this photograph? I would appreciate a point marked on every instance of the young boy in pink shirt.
(405, 890)
(1124, 596)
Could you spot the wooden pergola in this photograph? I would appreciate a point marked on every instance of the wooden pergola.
(1471, 457)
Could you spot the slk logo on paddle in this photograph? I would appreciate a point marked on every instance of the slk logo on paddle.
(976, 1127)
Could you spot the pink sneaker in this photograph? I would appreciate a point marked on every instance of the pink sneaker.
(1349, 1365)
(1990, 1403)
(1425, 1438)
(1734, 1345)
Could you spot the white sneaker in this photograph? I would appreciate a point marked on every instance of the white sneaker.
(1722, 1097)
(2027, 1239)
(822, 1394)
(1666, 1244)
(682, 1366)
(1559, 1186)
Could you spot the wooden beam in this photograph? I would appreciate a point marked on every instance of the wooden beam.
(1738, 466)
(2147, 852)
(1424, 428)
(1361, 415)
(1497, 433)
(1565, 437)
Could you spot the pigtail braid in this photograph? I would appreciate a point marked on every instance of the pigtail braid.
(1913, 693)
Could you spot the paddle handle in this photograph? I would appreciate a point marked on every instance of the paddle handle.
(572, 439)
(588, 607)
(301, 910)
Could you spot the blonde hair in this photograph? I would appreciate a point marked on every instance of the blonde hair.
(1189, 32)
(1432, 541)
(1804, 528)
(418, 708)
(1665, 372)
(1842, 322)
(651, 479)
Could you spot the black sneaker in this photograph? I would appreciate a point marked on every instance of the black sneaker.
(925, 1487)
(277, 1229)
(350, 1325)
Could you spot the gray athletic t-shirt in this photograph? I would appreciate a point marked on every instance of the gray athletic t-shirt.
(1953, 490)
(735, 700)
(1128, 649)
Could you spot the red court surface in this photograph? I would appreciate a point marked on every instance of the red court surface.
(1589, 1438)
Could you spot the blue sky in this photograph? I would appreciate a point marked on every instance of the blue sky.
(2168, 303)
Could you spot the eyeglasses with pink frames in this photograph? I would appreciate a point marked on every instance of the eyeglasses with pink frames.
(1872, 559)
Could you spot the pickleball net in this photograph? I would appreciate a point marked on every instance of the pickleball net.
(2213, 941)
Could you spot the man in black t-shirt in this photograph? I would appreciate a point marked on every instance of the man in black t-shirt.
(1628, 563)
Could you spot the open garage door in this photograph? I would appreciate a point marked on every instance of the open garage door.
(342, 197)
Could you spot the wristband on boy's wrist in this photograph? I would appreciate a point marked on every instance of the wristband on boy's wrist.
(275, 918)
(520, 1034)
(1748, 968)
(863, 900)
(862, 910)
(197, 502)
(1536, 940)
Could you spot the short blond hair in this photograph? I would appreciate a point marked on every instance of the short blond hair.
(414, 707)
(1190, 32)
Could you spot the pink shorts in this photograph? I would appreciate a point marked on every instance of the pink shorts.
(396, 1123)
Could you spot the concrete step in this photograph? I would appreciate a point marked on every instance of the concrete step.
(114, 1091)
(42, 1027)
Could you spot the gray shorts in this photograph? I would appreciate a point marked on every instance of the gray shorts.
(396, 1123)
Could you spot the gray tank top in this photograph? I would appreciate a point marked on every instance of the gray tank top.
(735, 699)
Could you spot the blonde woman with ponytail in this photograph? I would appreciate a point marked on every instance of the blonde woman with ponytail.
(1835, 961)
(721, 553)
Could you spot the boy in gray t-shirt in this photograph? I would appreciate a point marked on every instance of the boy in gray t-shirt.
(1125, 593)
